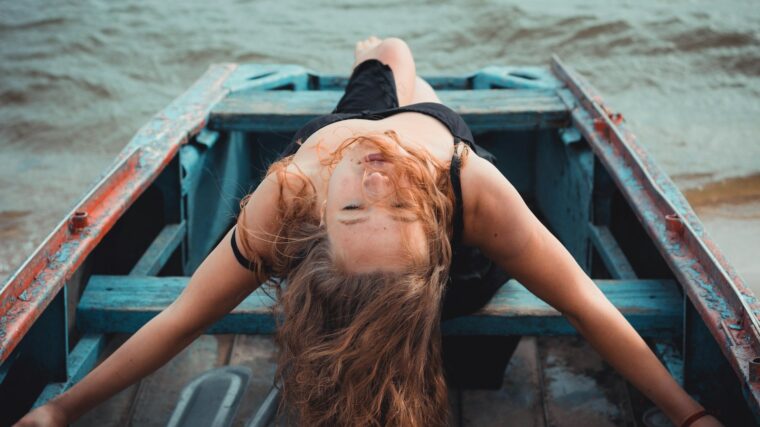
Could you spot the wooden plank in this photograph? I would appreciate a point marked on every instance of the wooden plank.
(268, 409)
(260, 354)
(81, 361)
(125, 303)
(612, 256)
(483, 110)
(160, 391)
(115, 411)
(579, 389)
(158, 253)
(671, 358)
(563, 188)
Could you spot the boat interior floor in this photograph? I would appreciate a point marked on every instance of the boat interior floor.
(550, 381)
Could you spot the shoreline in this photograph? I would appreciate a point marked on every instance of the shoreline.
(730, 213)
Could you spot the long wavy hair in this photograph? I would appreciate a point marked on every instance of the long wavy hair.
(361, 349)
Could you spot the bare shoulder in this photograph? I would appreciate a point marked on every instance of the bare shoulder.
(494, 211)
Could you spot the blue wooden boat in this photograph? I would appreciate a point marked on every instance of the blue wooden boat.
(131, 243)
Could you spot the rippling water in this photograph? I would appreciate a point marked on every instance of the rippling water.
(77, 79)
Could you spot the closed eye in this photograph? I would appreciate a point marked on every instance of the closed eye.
(354, 207)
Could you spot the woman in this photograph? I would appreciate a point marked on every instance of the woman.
(383, 218)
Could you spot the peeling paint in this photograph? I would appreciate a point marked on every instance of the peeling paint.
(712, 285)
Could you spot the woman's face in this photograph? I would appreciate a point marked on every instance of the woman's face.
(369, 228)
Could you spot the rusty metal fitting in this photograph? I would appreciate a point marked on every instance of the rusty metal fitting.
(78, 221)
(754, 369)
(616, 118)
(600, 125)
(674, 223)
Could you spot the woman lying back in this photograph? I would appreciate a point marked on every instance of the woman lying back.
(381, 219)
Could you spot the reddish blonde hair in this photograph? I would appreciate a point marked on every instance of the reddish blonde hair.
(361, 349)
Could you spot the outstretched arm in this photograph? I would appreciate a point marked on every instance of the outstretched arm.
(503, 227)
(216, 287)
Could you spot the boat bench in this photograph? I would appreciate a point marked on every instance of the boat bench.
(483, 110)
(124, 303)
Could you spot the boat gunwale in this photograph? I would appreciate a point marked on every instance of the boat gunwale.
(26, 294)
(604, 130)
(156, 143)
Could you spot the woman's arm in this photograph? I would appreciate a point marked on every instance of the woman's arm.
(216, 287)
(503, 227)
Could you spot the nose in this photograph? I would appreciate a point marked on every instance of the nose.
(376, 184)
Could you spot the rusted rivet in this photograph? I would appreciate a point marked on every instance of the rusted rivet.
(78, 221)
(674, 223)
(616, 118)
(754, 369)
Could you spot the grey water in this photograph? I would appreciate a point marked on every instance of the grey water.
(78, 78)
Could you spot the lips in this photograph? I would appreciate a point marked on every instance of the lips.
(374, 157)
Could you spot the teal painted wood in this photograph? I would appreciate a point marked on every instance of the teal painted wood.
(515, 156)
(41, 357)
(564, 185)
(612, 256)
(260, 77)
(514, 78)
(671, 358)
(6, 367)
(125, 303)
(284, 111)
(160, 250)
(214, 180)
(651, 306)
(278, 76)
(82, 360)
(708, 376)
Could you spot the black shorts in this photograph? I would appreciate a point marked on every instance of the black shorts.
(371, 95)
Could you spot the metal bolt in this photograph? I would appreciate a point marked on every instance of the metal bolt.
(754, 369)
(674, 223)
(78, 221)
(616, 118)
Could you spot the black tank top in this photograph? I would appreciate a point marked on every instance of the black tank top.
(473, 278)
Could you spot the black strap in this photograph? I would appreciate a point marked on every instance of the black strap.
(241, 259)
(456, 163)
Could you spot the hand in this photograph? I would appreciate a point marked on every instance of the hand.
(48, 415)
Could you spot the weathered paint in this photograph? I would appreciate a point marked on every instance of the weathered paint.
(82, 359)
(500, 77)
(714, 288)
(56, 259)
(158, 252)
(699, 267)
(563, 190)
(261, 77)
(612, 256)
(281, 111)
(125, 303)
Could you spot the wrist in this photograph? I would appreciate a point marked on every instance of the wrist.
(694, 417)
(59, 409)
